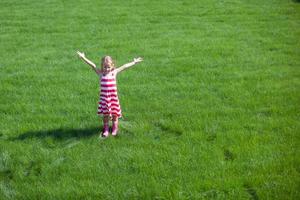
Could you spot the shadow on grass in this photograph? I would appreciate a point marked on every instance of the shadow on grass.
(251, 191)
(59, 134)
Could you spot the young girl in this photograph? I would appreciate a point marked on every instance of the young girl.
(109, 105)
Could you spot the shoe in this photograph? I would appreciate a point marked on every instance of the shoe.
(105, 131)
(114, 129)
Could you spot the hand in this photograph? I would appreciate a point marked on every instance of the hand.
(137, 60)
(81, 55)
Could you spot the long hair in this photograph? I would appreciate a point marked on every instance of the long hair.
(105, 62)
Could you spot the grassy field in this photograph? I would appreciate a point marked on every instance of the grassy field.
(211, 113)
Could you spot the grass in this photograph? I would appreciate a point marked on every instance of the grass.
(212, 112)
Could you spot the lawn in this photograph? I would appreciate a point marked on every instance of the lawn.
(211, 113)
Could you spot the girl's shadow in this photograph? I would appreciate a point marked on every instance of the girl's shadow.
(59, 134)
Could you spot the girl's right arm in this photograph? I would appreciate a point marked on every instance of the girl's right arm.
(87, 61)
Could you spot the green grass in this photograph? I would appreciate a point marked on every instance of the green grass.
(212, 112)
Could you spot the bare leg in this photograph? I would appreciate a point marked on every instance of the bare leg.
(115, 125)
(105, 132)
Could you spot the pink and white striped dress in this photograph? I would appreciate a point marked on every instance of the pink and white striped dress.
(109, 101)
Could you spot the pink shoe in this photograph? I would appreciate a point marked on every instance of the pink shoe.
(115, 129)
(105, 131)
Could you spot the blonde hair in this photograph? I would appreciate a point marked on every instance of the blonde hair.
(105, 60)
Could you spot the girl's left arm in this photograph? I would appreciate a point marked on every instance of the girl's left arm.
(126, 66)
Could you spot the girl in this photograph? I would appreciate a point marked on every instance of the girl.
(109, 105)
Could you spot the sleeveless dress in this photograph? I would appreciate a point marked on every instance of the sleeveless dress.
(109, 101)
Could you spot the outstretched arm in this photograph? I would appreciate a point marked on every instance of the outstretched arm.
(126, 66)
(87, 61)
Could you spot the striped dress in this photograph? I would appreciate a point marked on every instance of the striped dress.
(109, 101)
